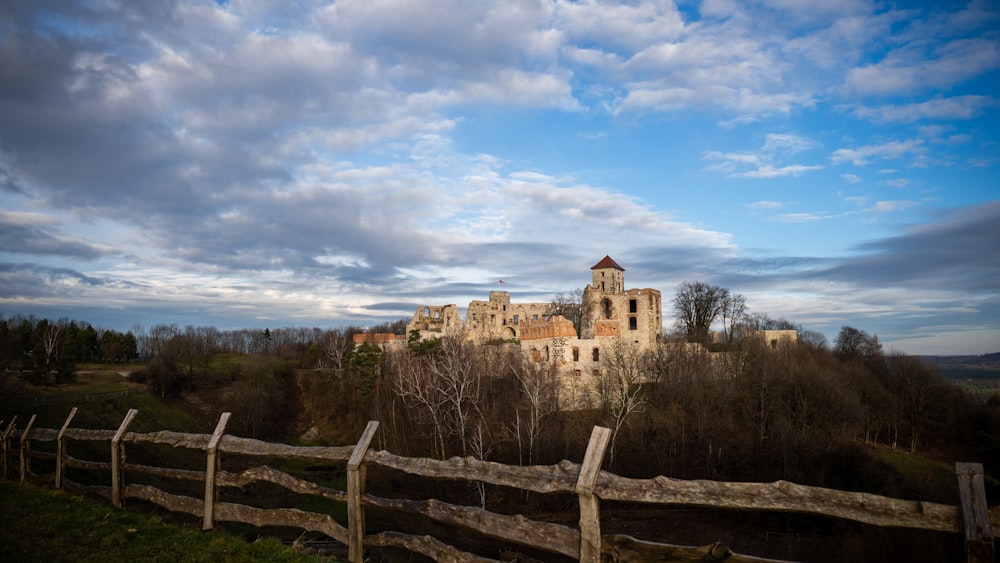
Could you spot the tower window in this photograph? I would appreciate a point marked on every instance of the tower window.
(632, 307)
(597, 354)
(633, 323)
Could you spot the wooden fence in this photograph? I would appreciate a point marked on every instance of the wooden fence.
(587, 481)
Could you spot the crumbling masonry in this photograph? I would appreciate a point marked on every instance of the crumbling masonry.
(610, 314)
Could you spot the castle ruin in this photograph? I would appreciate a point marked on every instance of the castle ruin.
(610, 313)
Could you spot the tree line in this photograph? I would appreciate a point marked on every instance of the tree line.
(48, 352)
(807, 412)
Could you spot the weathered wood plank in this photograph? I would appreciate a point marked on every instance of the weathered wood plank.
(168, 472)
(974, 514)
(356, 488)
(559, 478)
(590, 509)
(43, 434)
(425, 545)
(617, 548)
(5, 443)
(71, 461)
(118, 458)
(61, 449)
(290, 517)
(211, 468)
(781, 496)
(250, 447)
(175, 439)
(42, 455)
(25, 444)
(517, 529)
(271, 475)
(90, 434)
(176, 503)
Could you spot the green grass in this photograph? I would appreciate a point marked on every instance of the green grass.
(90, 380)
(43, 525)
(925, 478)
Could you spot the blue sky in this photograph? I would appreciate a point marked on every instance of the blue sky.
(269, 163)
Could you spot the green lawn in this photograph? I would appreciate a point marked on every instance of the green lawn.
(39, 524)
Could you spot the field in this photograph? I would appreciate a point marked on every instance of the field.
(39, 524)
(980, 375)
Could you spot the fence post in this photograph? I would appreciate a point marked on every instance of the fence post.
(356, 488)
(26, 449)
(61, 450)
(118, 457)
(5, 442)
(590, 509)
(211, 491)
(974, 513)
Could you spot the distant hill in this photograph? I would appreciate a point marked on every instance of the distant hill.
(985, 366)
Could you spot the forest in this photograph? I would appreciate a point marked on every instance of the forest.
(809, 413)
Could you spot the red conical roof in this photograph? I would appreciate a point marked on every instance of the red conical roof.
(607, 262)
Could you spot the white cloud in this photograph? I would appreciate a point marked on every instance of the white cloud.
(765, 205)
(850, 178)
(765, 162)
(958, 107)
(908, 69)
(891, 206)
(887, 151)
(798, 218)
(768, 171)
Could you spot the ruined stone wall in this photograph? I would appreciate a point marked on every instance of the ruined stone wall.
(380, 338)
(499, 318)
(556, 326)
(431, 320)
(634, 314)
(776, 338)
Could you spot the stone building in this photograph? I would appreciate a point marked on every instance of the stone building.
(610, 314)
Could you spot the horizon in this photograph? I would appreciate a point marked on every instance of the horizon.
(253, 164)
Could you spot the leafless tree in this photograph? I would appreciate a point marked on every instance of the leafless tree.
(337, 343)
(734, 308)
(697, 305)
(621, 381)
(50, 341)
(444, 389)
(570, 306)
(537, 383)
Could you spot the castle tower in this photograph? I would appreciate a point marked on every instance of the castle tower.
(609, 277)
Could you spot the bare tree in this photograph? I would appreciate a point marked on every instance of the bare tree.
(416, 386)
(697, 305)
(50, 341)
(538, 388)
(445, 388)
(621, 381)
(461, 386)
(570, 306)
(336, 347)
(733, 310)
(856, 344)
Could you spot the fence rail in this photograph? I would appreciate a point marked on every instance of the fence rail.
(978, 523)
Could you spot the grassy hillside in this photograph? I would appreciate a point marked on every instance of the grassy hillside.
(44, 525)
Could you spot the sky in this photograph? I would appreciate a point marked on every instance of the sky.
(276, 163)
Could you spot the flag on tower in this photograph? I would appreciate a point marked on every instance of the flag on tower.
(501, 282)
